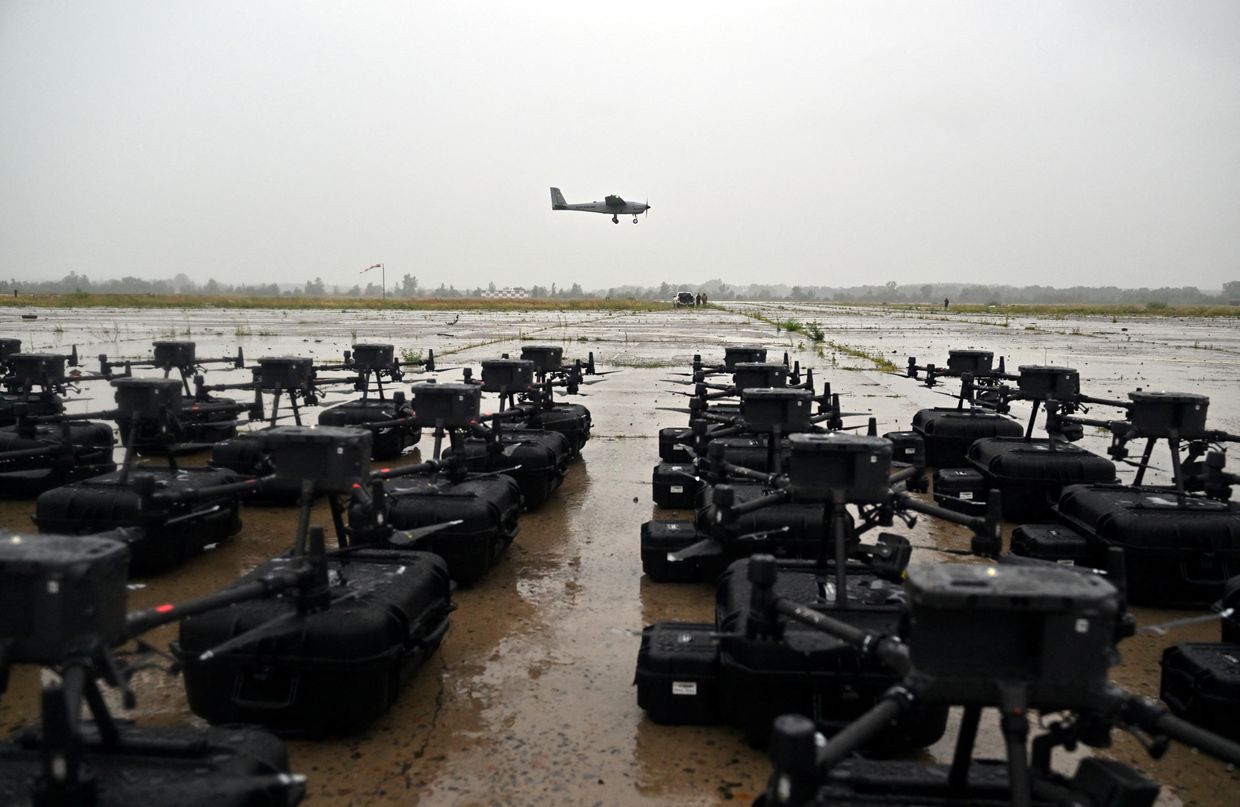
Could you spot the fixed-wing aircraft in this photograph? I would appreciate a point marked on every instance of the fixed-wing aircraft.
(611, 204)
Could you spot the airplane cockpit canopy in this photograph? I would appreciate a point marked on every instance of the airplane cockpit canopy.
(614, 201)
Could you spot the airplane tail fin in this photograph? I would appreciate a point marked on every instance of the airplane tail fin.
(557, 200)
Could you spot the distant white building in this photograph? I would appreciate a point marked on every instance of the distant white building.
(507, 293)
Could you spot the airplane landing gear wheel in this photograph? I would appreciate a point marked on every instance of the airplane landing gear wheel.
(615, 219)
(635, 219)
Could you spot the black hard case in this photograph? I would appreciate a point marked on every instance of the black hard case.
(166, 534)
(569, 419)
(964, 490)
(948, 432)
(1173, 555)
(809, 672)
(27, 477)
(1055, 542)
(658, 539)
(673, 485)
(387, 442)
(488, 508)
(1030, 474)
(671, 440)
(229, 766)
(1201, 683)
(333, 671)
(537, 459)
(677, 673)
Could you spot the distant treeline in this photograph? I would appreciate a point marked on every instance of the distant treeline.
(891, 292)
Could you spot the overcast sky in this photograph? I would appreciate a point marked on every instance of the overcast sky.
(1064, 143)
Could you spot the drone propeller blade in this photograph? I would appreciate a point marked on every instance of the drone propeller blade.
(688, 449)
(674, 409)
(763, 533)
(706, 548)
(408, 538)
(272, 627)
(490, 474)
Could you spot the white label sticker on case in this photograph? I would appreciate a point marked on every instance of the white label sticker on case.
(684, 688)
(966, 495)
(677, 489)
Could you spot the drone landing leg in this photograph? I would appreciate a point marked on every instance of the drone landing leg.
(342, 539)
(1145, 460)
(958, 778)
(63, 782)
(1014, 720)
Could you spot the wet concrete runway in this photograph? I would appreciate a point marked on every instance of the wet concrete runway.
(530, 699)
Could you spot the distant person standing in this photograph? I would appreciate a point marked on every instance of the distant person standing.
(946, 303)
(698, 301)
(704, 301)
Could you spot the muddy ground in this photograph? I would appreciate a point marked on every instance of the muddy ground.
(530, 699)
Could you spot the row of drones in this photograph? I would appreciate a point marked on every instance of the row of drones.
(315, 642)
(830, 648)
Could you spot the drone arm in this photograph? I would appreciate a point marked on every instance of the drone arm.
(1153, 717)
(142, 621)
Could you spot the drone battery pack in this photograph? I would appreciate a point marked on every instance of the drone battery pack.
(1162, 414)
(661, 538)
(488, 508)
(569, 419)
(507, 375)
(148, 397)
(173, 354)
(1054, 542)
(789, 410)
(742, 354)
(387, 442)
(283, 372)
(1049, 629)
(673, 485)
(805, 671)
(759, 375)
(236, 766)
(545, 358)
(38, 369)
(855, 466)
(452, 405)
(86, 453)
(1047, 382)
(672, 440)
(60, 591)
(1174, 555)
(536, 459)
(978, 362)
(677, 673)
(167, 533)
(249, 454)
(374, 356)
(948, 432)
(1030, 474)
(327, 671)
(1201, 683)
(338, 456)
(961, 489)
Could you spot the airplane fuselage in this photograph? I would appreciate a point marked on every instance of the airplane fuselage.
(608, 207)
